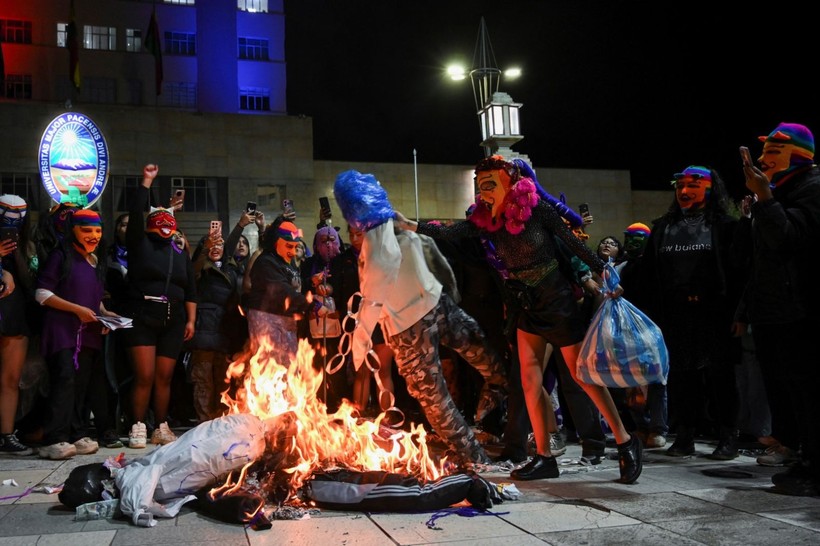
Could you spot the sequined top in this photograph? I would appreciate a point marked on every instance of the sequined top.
(531, 251)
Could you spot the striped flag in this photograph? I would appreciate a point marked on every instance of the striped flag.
(73, 50)
(154, 46)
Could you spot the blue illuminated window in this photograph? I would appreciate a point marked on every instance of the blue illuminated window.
(254, 98)
(255, 49)
(180, 43)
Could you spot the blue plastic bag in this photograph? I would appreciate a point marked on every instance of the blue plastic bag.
(622, 347)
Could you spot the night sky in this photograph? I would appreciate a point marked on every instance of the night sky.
(606, 85)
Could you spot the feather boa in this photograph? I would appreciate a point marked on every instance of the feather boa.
(517, 209)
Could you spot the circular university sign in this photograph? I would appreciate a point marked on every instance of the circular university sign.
(73, 159)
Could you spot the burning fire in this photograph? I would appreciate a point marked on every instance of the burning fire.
(302, 437)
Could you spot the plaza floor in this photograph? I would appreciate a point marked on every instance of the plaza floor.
(687, 501)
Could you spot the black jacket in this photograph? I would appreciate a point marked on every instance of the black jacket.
(781, 238)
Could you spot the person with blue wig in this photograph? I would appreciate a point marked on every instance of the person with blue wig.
(401, 294)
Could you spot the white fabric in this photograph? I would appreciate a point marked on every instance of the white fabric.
(160, 483)
(396, 285)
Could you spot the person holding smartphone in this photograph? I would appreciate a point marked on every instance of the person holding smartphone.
(779, 238)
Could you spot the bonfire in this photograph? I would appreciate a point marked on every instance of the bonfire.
(302, 438)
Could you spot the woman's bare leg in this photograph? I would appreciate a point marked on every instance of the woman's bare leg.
(599, 395)
(13, 350)
(143, 362)
(531, 350)
(162, 387)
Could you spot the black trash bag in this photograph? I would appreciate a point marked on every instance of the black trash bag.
(84, 484)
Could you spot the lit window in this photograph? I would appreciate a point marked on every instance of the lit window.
(15, 32)
(180, 43)
(257, 6)
(104, 38)
(181, 2)
(17, 86)
(133, 40)
(255, 49)
(61, 34)
(178, 94)
(254, 98)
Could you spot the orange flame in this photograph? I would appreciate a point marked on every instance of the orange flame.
(298, 425)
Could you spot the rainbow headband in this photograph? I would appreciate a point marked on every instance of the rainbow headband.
(288, 231)
(638, 229)
(85, 217)
(695, 173)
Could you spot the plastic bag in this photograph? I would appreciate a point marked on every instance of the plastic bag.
(622, 347)
(84, 484)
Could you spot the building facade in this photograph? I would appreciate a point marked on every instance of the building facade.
(218, 127)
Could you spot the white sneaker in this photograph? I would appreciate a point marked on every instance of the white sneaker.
(138, 437)
(58, 451)
(557, 445)
(163, 435)
(86, 446)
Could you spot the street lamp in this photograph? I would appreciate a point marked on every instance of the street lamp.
(497, 113)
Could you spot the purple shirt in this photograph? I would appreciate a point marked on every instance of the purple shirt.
(82, 287)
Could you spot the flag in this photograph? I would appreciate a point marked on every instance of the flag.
(73, 50)
(154, 46)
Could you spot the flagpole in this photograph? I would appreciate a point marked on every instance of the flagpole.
(416, 182)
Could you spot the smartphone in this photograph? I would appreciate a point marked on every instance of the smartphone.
(746, 156)
(324, 203)
(9, 233)
(178, 198)
(216, 229)
(287, 206)
(250, 208)
(583, 208)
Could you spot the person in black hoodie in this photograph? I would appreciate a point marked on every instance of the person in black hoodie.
(781, 298)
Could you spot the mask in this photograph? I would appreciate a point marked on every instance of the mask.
(493, 187)
(161, 223)
(86, 227)
(788, 148)
(326, 243)
(12, 210)
(692, 187)
(287, 235)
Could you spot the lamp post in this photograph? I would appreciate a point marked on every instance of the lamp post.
(498, 115)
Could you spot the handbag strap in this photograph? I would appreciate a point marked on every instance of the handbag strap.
(170, 269)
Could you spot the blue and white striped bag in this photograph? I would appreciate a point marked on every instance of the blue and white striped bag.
(622, 347)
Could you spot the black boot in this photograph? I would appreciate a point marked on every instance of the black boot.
(630, 460)
(538, 468)
(726, 449)
(684, 444)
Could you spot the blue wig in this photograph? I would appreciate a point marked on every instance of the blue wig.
(560, 205)
(362, 200)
